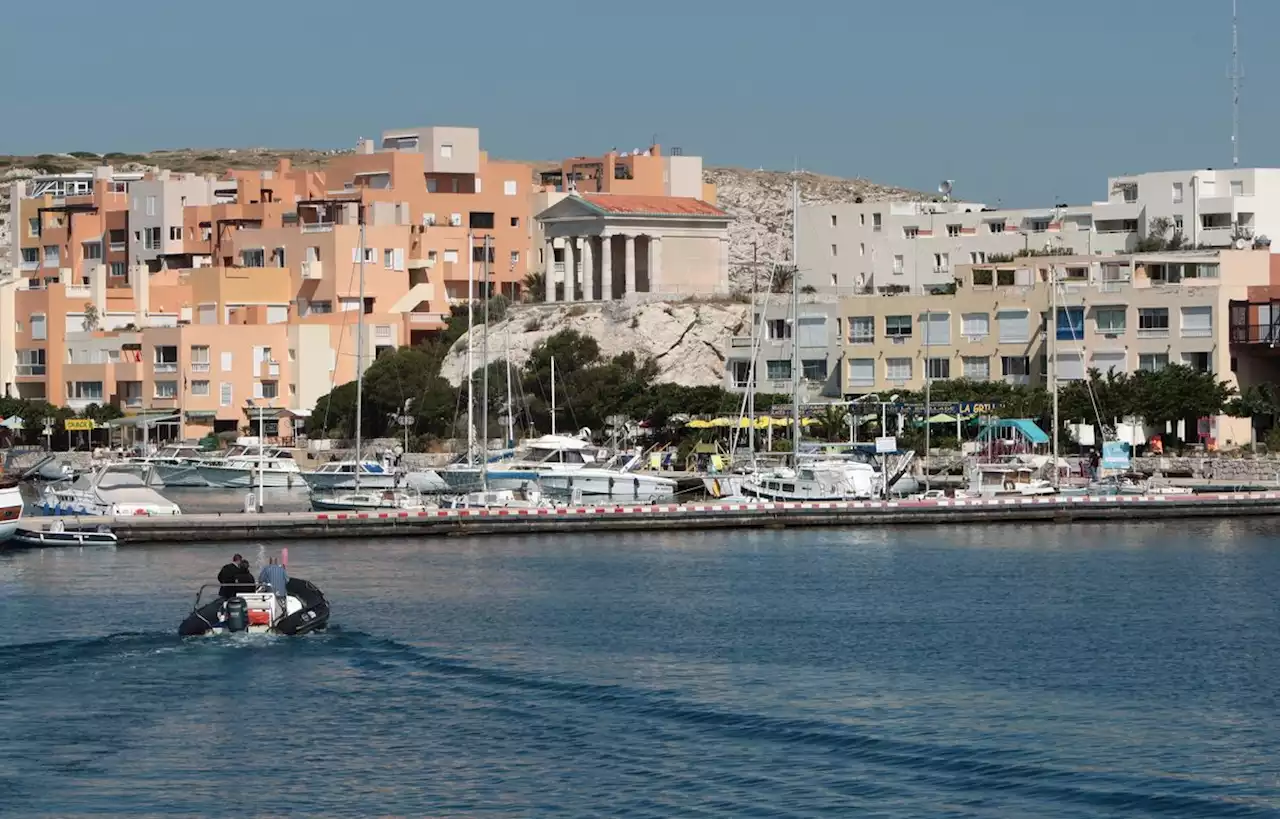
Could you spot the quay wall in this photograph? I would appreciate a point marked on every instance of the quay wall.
(672, 517)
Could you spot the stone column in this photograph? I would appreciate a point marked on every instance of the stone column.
(588, 271)
(655, 264)
(629, 262)
(606, 267)
(549, 257)
(570, 270)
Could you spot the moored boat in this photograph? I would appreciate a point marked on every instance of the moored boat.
(112, 490)
(368, 500)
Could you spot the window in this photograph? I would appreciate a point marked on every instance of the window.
(1200, 362)
(1069, 325)
(778, 369)
(813, 331)
(996, 227)
(92, 251)
(1070, 367)
(1016, 365)
(370, 253)
(446, 150)
(33, 226)
(515, 221)
(432, 185)
(875, 222)
(1197, 322)
(225, 362)
(118, 269)
(862, 372)
(38, 331)
(910, 232)
(85, 390)
(1152, 362)
(199, 358)
(1129, 192)
(1039, 225)
(897, 370)
(270, 389)
(166, 359)
(862, 248)
(975, 326)
(835, 251)
(778, 329)
(1109, 320)
(813, 369)
(151, 206)
(253, 258)
(31, 362)
(937, 328)
(833, 220)
(1177, 192)
(937, 368)
(321, 307)
(1153, 321)
(977, 368)
(224, 394)
(52, 255)
(897, 326)
(31, 257)
(942, 262)
(1015, 326)
(166, 389)
(1108, 361)
(897, 264)
(451, 257)
(151, 239)
(953, 231)
(862, 329)
(388, 259)
(509, 188)
(480, 220)
(1177, 223)
(1237, 188)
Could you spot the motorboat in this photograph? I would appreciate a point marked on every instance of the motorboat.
(368, 500)
(542, 456)
(257, 466)
(425, 480)
(526, 498)
(185, 472)
(170, 455)
(614, 480)
(352, 475)
(11, 506)
(818, 480)
(112, 490)
(1020, 476)
(58, 535)
(255, 609)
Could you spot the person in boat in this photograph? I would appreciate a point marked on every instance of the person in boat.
(274, 576)
(230, 576)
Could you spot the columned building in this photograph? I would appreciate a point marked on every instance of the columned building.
(601, 247)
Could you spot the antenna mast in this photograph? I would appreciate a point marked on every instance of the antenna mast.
(1236, 76)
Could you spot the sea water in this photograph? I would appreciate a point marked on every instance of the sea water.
(1090, 670)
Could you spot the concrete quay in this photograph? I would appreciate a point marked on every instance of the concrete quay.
(239, 526)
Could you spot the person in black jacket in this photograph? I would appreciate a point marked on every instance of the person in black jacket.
(232, 574)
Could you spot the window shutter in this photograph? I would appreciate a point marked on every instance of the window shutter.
(937, 328)
(862, 372)
(257, 389)
(1070, 367)
(1197, 321)
(1015, 326)
(1108, 362)
(399, 258)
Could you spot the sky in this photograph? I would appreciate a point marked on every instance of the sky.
(1020, 102)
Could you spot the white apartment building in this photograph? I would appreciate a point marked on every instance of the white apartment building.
(907, 246)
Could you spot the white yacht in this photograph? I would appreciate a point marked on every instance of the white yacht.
(368, 500)
(819, 480)
(10, 508)
(114, 489)
(175, 457)
(343, 475)
(550, 454)
(526, 498)
(613, 480)
(269, 466)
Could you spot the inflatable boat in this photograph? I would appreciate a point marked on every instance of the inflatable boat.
(255, 609)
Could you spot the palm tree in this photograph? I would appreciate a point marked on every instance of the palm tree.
(833, 423)
(535, 286)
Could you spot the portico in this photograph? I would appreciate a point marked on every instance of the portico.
(620, 247)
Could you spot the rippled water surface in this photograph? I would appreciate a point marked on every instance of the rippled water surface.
(1014, 671)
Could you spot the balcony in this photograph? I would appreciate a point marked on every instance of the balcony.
(200, 366)
(435, 319)
(132, 401)
(78, 291)
(165, 367)
(420, 264)
(740, 342)
(313, 271)
(29, 266)
(118, 247)
(31, 370)
(317, 227)
(269, 369)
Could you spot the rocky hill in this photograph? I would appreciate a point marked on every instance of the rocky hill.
(686, 339)
(760, 201)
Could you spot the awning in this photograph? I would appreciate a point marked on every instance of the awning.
(13, 422)
(942, 418)
(201, 414)
(139, 421)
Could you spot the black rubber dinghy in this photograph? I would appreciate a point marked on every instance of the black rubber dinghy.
(313, 616)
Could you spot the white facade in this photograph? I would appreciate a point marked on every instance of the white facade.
(156, 208)
(887, 246)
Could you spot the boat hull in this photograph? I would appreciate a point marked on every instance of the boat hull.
(347, 480)
(623, 487)
(38, 539)
(178, 476)
(312, 615)
(232, 478)
(11, 507)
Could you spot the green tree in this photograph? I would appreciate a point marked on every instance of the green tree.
(535, 286)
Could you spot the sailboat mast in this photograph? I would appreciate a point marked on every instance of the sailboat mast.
(795, 322)
(484, 356)
(359, 356)
(511, 409)
(1053, 361)
(471, 367)
(751, 368)
(553, 395)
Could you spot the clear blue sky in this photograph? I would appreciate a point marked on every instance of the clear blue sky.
(1017, 100)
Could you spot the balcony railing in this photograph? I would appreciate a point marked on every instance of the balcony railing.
(426, 318)
(133, 401)
(166, 367)
(317, 227)
(30, 266)
(118, 247)
(31, 369)
(78, 291)
(200, 366)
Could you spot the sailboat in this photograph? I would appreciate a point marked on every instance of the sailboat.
(375, 495)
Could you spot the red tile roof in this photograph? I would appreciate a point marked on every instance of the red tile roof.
(652, 205)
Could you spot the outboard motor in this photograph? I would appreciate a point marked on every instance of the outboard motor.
(237, 614)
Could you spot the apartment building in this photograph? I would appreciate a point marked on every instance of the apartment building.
(447, 188)
(815, 330)
(1120, 313)
(884, 246)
